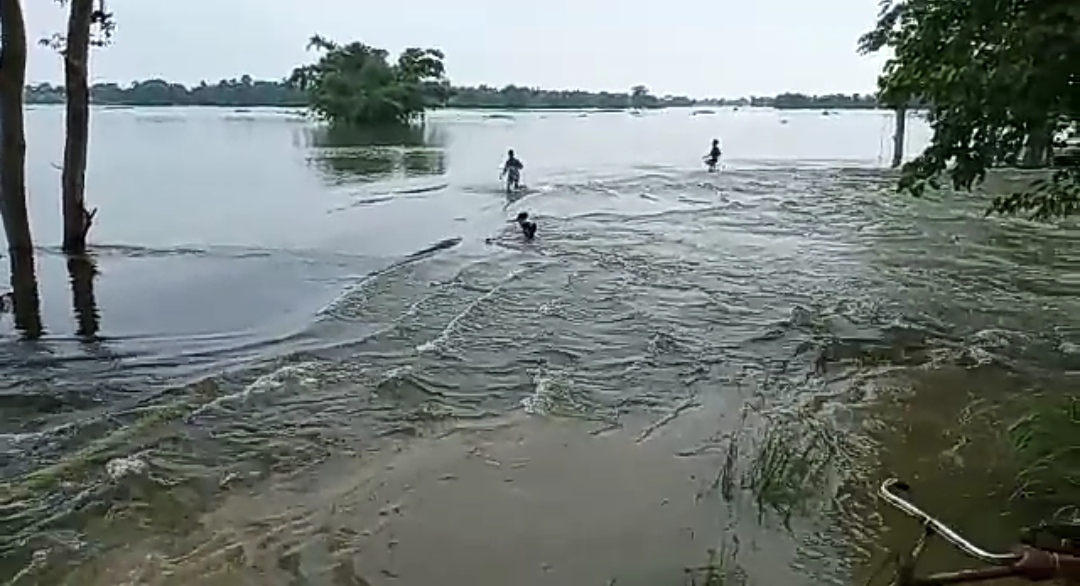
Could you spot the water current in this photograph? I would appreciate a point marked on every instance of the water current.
(270, 298)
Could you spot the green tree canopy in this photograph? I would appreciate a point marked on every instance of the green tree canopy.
(999, 76)
(356, 84)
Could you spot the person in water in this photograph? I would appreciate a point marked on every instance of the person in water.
(512, 171)
(528, 228)
(713, 157)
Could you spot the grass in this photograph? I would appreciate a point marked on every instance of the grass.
(787, 470)
(1046, 448)
(721, 568)
(792, 466)
(785, 464)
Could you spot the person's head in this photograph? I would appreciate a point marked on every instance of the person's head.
(716, 142)
(510, 153)
(523, 216)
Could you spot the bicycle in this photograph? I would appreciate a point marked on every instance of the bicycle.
(1002, 565)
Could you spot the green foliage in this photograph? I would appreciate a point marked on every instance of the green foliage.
(1000, 78)
(246, 93)
(102, 28)
(243, 92)
(356, 84)
(794, 101)
(518, 97)
(513, 97)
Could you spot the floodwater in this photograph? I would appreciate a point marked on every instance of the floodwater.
(274, 307)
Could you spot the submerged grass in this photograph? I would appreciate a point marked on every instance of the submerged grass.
(783, 465)
(792, 466)
(721, 568)
(1046, 447)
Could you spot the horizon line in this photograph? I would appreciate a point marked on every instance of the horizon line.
(60, 83)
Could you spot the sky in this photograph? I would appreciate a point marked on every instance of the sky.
(717, 48)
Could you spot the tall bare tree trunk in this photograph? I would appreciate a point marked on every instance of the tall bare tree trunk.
(899, 136)
(77, 219)
(13, 169)
(1037, 147)
(12, 133)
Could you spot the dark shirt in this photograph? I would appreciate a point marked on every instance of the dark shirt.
(714, 154)
(513, 164)
(528, 229)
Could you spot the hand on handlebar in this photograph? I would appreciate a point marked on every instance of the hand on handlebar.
(1037, 565)
(1040, 565)
(1033, 564)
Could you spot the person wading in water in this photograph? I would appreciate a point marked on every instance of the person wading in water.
(528, 228)
(713, 158)
(512, 171)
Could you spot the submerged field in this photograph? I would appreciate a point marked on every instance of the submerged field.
(310, 366)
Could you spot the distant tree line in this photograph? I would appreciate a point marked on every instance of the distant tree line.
(158, 92)
(247, 92)
(790, 101)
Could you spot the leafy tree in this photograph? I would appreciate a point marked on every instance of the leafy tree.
(641, 98)
(1000, 78)
(355, 84)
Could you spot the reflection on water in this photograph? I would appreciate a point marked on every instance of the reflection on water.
(26, 303)
(416, 135)
(376, 154)
(83, 270)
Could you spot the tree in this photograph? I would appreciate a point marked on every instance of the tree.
(355, 84)
(13, 168)
(75, 48)
(641, 98)
(12, 133)
(998, 77)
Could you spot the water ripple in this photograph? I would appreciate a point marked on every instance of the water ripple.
(643, 288)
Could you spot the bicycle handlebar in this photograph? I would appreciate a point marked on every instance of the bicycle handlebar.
(886, 492)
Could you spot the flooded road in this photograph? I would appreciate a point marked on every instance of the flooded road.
(282, 316)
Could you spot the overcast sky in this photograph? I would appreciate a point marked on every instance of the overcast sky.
(694, 47)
